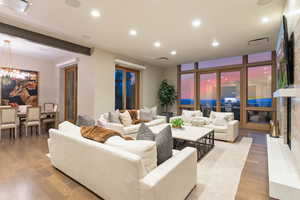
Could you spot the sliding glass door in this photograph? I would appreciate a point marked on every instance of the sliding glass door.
(208, 93)
(126, 88)
(230, 86)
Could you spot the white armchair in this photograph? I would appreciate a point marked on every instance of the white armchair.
(228, 131)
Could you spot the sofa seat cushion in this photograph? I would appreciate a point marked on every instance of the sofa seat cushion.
(155, 122)
(220, 129)
(145, 149)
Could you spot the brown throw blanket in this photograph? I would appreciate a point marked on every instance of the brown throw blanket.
(100, 134)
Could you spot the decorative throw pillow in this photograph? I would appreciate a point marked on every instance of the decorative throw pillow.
(164, 144)
(146, 114)
(114, 117)
(144, 133)
(84, 120)
(164, 141)
(126, 118)
(220, 121)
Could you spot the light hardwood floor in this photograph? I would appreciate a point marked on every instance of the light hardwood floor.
(26, 173)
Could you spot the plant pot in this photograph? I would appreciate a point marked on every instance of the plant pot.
(176, 126)
(168, 115)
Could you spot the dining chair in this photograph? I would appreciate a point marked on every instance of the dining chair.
(49, 107)
(53, 119)
(33, 118)
(23, 108)
(8, 120)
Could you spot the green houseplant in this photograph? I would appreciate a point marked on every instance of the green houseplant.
(282, 82)
(177, 123)
(167, 96)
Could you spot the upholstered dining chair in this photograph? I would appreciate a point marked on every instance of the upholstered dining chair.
(33, 118)
(49, 107)
(53, 119)
(8, 120)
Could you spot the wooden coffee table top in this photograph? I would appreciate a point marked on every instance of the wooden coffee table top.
(189, 133)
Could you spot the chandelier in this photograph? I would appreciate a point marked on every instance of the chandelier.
(7, 71)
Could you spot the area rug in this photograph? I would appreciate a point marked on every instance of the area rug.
(220, 170)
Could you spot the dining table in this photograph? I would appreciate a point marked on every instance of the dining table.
(44, 115)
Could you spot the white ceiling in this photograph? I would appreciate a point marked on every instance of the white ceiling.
(23, 47)
(232, 22)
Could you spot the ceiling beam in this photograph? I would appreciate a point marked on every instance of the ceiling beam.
(43, 39)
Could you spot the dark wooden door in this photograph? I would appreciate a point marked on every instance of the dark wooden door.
(71, 94)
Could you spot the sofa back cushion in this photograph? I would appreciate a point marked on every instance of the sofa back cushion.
(146, 115)
(188, 115)
(69, 129)
(229, 116)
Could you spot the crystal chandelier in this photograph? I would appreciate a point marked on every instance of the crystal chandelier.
(7, 69)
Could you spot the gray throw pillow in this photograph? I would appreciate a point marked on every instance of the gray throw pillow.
(164, 144)
(144, 133)
(146, 115)
(84, 120)
(114, 117)
(164, 141)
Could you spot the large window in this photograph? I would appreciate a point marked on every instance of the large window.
(260, 86)
(126, 88)
(242, 85)
(187, 96)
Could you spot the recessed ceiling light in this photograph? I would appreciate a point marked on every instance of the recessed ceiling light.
(133, 32)
(196, 23)
(265, 20)
(157, 44)
(215, 43)
(173, 52)
(95, 13)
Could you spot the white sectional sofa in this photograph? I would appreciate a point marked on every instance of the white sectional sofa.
(115, 174)
(128, 130)
(227, 132)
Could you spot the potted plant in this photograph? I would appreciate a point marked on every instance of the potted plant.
(167, 97)
(177, 123)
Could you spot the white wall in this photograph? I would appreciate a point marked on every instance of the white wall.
(150, 81)
(96, 83)
(292, 12)
(47, 77)
(170, 74)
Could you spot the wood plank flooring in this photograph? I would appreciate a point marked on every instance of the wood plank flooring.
(26, 173)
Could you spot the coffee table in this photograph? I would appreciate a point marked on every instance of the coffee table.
(198, 137)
